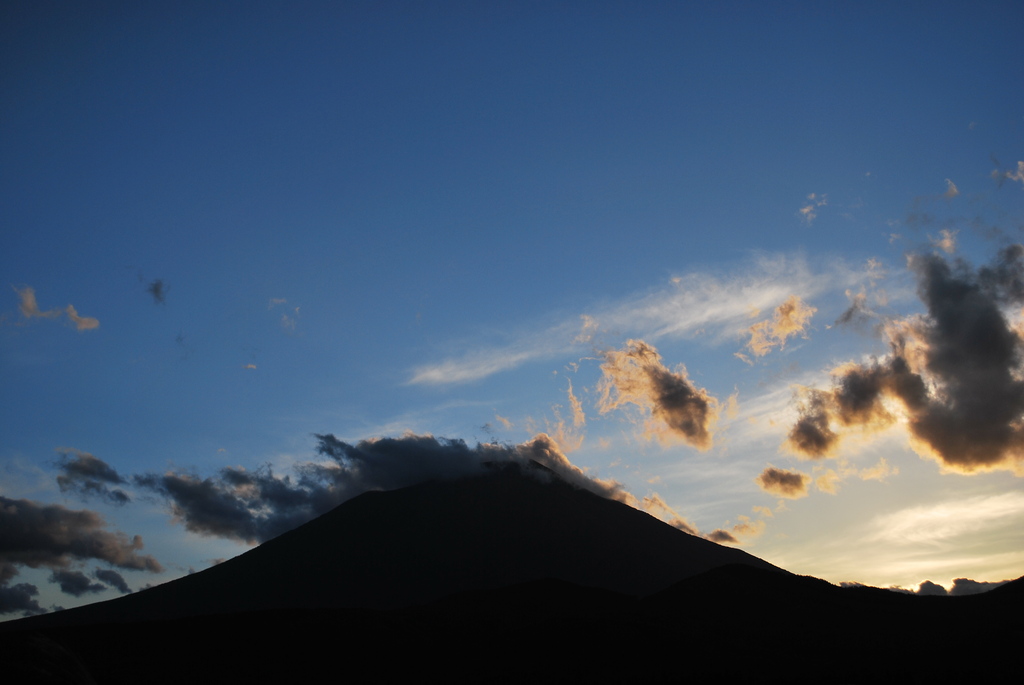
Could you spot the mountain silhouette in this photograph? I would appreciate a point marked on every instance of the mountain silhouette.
(512, 576)
(387, 550)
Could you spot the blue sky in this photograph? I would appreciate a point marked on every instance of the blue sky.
(374, 219)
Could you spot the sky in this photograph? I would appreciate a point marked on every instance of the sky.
(750, 267)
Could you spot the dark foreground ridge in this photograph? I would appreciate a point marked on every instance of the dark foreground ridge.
(512, 577)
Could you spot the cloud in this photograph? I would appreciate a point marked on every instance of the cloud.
(477, 366)
(746, 528)
(88, 476)
(789, 318)
(579, 419)
(961, 587)
(966, 586)
(879, 471)
(678, 409)
(1012, 175)
(51, 536)
(936, 523)
(828, 482)
(946, 241)
(955, 374)
(44, 535)
(113, 579)
(809, 212)
(714, 306)
(20, 598)
(951, 190)
(288, 322)
(158, 289)
(568, 437)
(722, 537)
(82, 323)
(929, 588)
(653, 504)
(75, 583)
(30, 308)
(255, 506)
(782, 483)
(858, 312)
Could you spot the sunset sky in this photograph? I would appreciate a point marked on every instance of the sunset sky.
(753, 262)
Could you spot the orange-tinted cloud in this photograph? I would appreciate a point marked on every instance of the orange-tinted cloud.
(745, 528)
(678, 409)
(789, 318)
(82, 323)
(653, 504)
(29, 308)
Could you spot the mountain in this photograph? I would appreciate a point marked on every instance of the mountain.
(387, 550)
(513, 576)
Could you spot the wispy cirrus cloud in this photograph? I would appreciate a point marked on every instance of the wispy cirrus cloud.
(944, 521)
(714, 306)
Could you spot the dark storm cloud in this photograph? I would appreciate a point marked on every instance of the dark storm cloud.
(932, 589)
(679, 409)
(75, 583)
(961, 587)
(254, 506)
(20, 598)
(790, 484)
(113, 579)
(966, 586)
(158, 289)
(955, 372)
(44, 535)
(50, 536)
(89, 476)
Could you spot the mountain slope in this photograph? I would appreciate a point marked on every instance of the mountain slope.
(414, 545)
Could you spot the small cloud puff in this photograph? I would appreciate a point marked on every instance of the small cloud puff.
(809, 212)
(789, 318)
(782, 483)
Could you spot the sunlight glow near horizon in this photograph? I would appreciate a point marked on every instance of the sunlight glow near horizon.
(229, 228)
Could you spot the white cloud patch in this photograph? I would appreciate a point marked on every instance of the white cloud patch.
(941, 522)
(1009, 175)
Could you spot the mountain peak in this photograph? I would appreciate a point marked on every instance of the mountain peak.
(391, 549)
